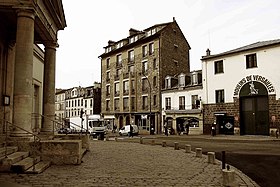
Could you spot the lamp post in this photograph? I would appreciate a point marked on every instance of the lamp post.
(150, 91)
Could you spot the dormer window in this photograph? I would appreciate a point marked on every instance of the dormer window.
(108, 49)
(182, 80)
(119, 45)
(133, 39)
(168, 82)
(194, 79)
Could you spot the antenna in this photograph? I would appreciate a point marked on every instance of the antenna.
(209, 39)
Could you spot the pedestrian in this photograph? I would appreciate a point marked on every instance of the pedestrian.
(114, 128)
(178, 129)
(182, 128)
(165, 130)
(131, 131)
(152, 132)
(187, 128)
(213, 129)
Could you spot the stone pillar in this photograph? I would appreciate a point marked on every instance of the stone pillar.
(23, 73)
(198, 152)
(188, 148)
(49, 87)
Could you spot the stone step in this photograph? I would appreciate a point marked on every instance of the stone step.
(10, 150)
(39, 167)
(11, 159)
(23, 165)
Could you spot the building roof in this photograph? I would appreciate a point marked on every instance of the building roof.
(245, 48)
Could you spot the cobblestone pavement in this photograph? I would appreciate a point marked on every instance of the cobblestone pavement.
(118, 163)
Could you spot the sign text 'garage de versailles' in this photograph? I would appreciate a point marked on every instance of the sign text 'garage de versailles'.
(251, 79)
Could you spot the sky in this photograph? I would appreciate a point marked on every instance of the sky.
(219, 25)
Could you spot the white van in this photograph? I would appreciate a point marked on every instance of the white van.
(126, 129)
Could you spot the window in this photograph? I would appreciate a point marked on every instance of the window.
(155, 64)
(181, 80)
(155, 81)
(125, 87)
(117, 104)
(220, 96)
(144, 50)
(125, 103)
(182, 103)
(145, 102)
(155, 100)
(107, 105)
(195, 102)
(144, 67)
(132, 86)
(167, 82)
(117, 88)
(219, 67)
(251, 61)
(108, 63)
(131, 56)
(131, 69)
(119, 60)
(108, 90)
(120, 44)
(108, 75)
(168, 103)
(91, 103)
(151, 48)
(85, 103)
(118, 73)
(145, 84)
(132, 100)
(194, 79)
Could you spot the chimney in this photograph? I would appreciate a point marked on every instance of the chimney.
(174, 19)
(110, 42)
(133, 31)
(208, 52)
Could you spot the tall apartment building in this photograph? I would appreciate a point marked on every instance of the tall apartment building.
(133, 73)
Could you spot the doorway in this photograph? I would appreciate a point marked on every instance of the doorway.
(254, 115)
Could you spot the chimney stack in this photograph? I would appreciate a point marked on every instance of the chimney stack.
(111, 42)
(133, 31)
(208, 52)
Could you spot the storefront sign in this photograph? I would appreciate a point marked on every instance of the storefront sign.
(250, 80)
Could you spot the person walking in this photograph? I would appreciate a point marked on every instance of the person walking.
(131, 131)
(165, 130)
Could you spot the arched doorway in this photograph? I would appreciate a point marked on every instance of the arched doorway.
(254, 109)
(127, 120)
(120, 122)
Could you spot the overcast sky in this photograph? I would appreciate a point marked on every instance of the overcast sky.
(220, 25)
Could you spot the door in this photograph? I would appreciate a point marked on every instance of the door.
(254, 116)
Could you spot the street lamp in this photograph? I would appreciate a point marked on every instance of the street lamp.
(150, 90)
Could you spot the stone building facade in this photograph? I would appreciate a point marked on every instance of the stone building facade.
(241, 89)
(134, 70)
(27, 83)
(86, 99)
(181, 103)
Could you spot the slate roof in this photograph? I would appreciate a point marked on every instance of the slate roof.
(245, 48)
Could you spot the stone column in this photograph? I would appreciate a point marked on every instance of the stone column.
(49, 87)
(23, 87)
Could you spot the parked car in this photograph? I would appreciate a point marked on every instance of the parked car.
(126, 129)
(64, 131)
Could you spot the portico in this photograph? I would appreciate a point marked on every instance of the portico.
(26, 24)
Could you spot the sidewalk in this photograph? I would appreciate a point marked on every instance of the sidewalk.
(111, 163)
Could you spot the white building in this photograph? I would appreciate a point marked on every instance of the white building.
(60, 103)
(241, 89)
(181, 102)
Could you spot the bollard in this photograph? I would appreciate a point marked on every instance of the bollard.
(176, 146)
(116, 139)
(141, 140)
(198, 152)
(211, 157)
(228, 177)
(223, 160)
(163, 143)
(153, 142)
(107, 138)
(188, 148)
